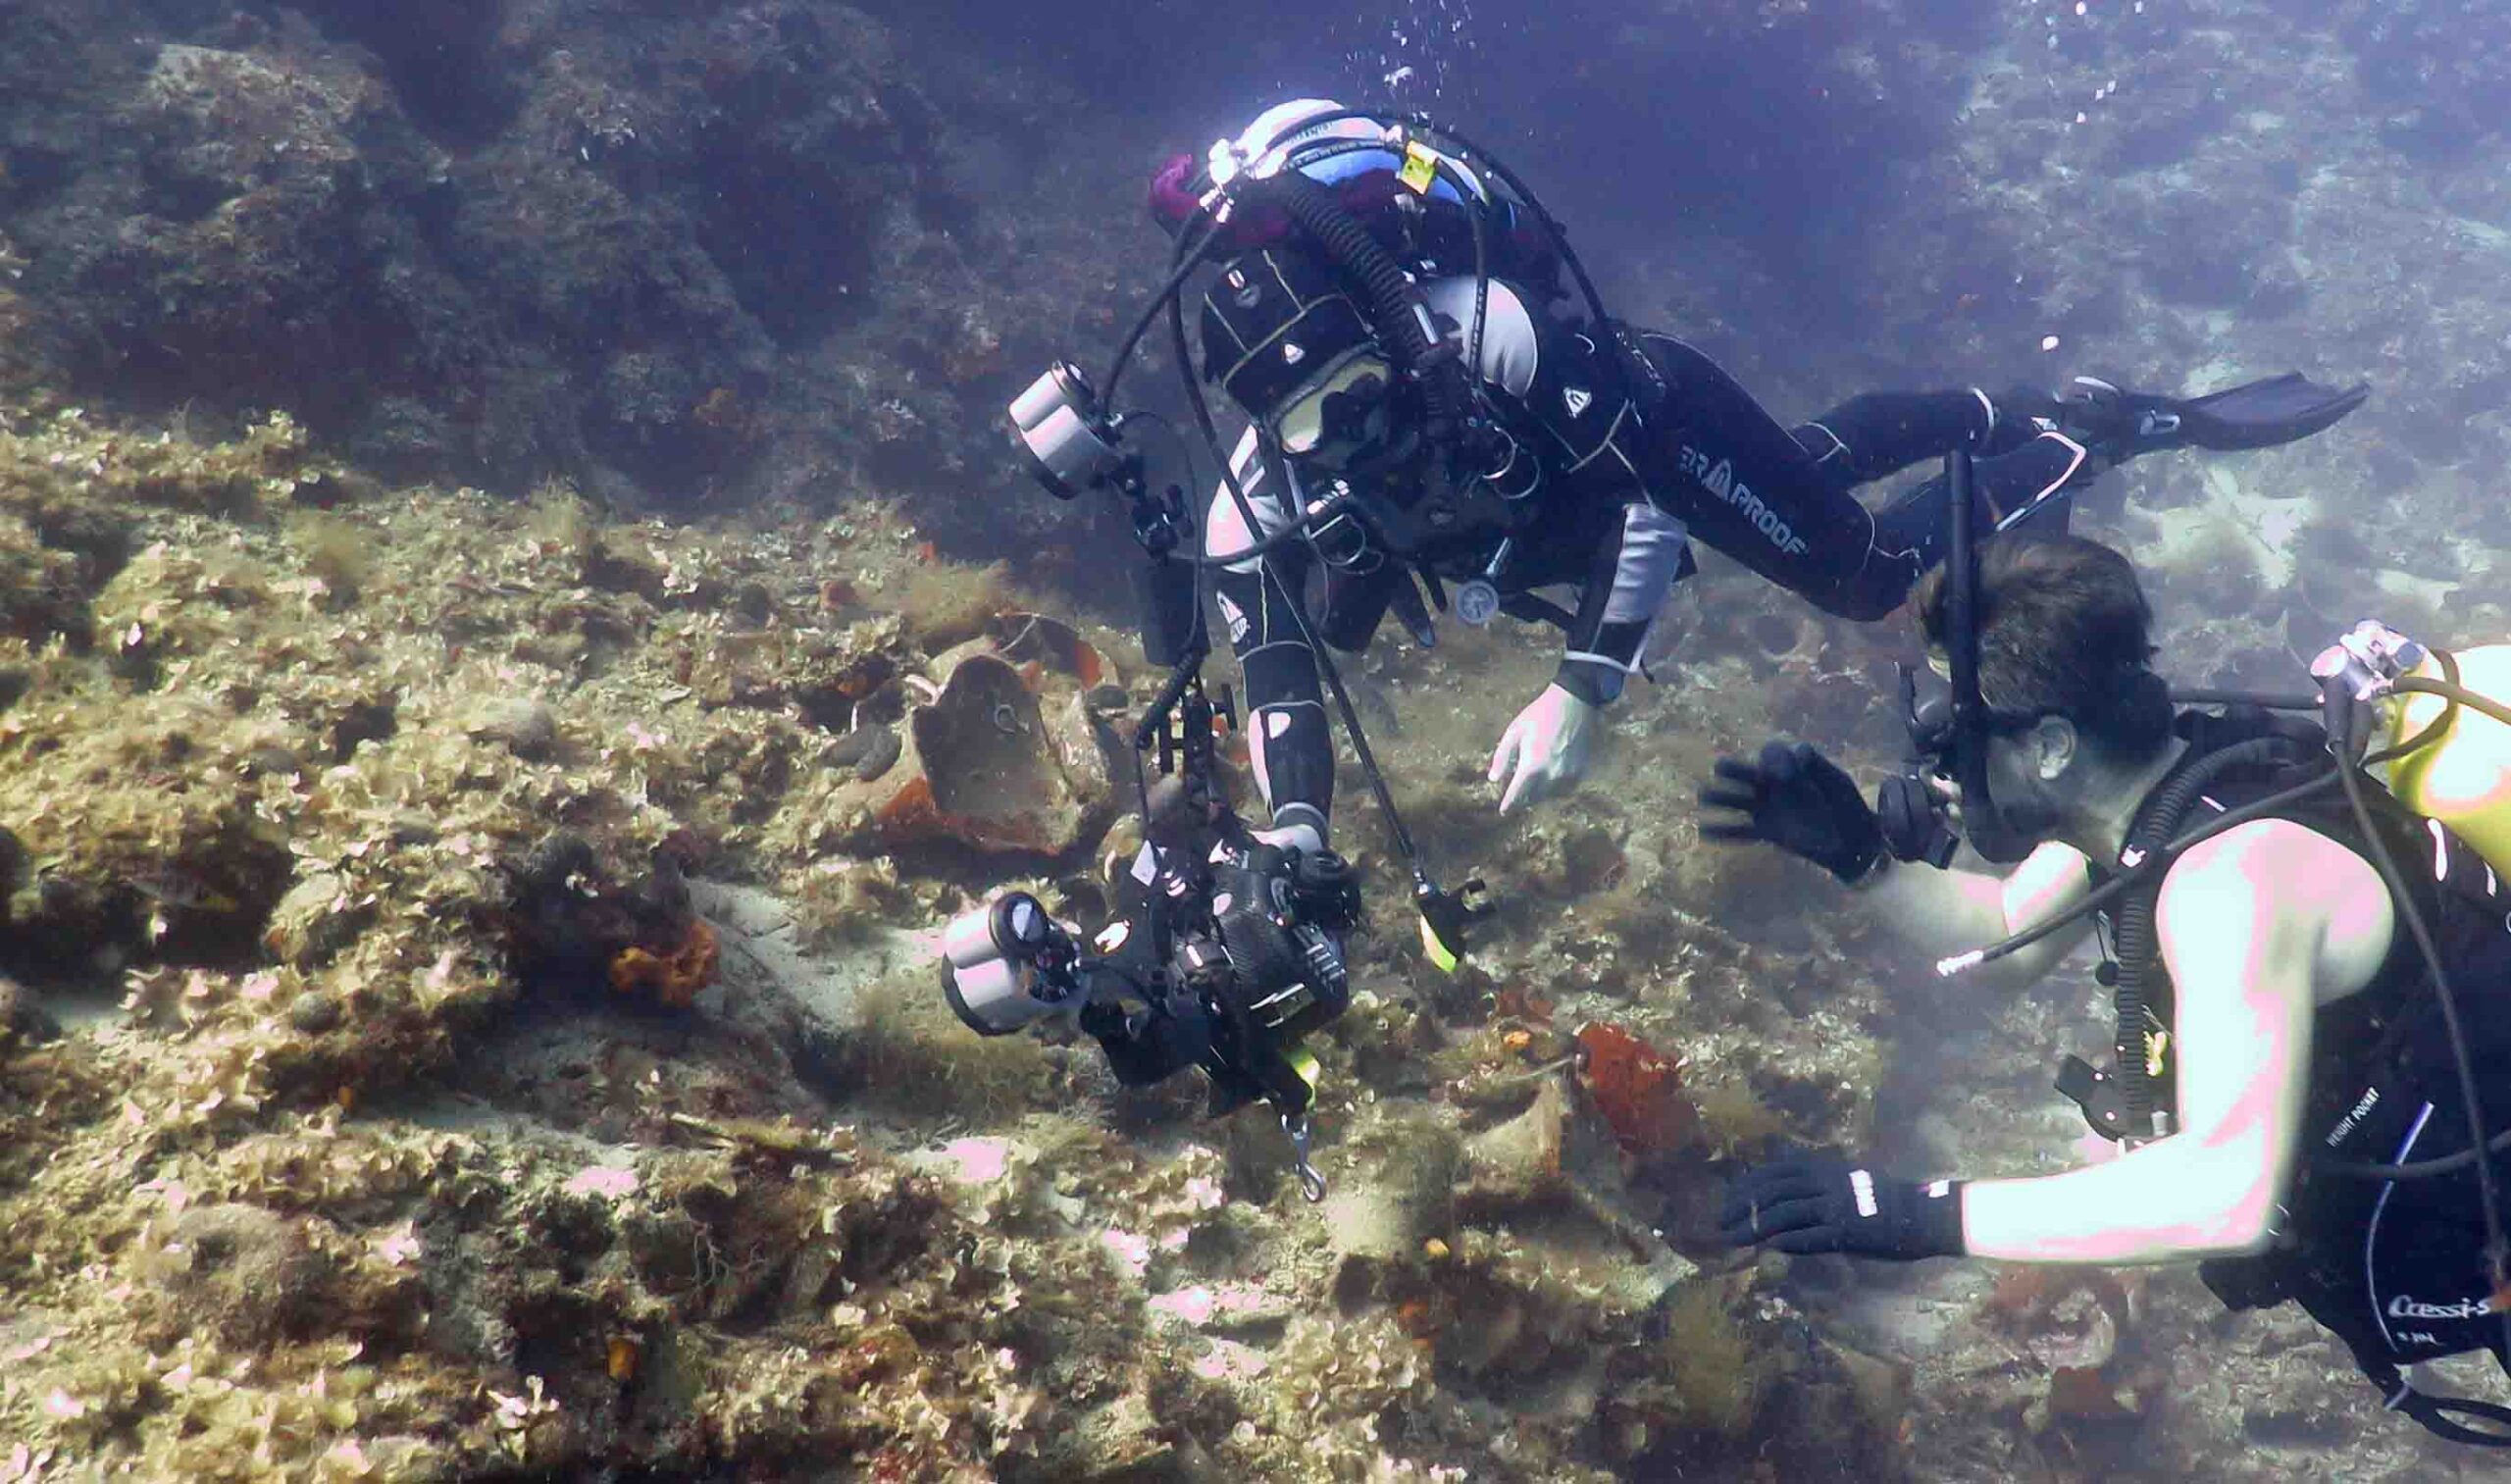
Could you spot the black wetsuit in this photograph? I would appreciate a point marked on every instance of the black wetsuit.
(1645, 443)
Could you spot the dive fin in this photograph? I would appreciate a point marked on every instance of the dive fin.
(2282, 409)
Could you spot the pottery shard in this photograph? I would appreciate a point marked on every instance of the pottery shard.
(1040, 645)
(1520, 1160)
(984, 767)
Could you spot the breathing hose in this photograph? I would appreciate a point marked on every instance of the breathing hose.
(1401, 319)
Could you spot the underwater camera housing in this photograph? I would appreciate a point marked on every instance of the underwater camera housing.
(1226, 948)
(1071, 441)
(1222, 960)
(1010, 964)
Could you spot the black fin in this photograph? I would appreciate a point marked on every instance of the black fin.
(2263, 414)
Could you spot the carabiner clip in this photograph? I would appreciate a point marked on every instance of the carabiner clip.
(1311, 1184)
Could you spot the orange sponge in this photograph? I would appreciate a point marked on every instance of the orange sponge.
(672, 978)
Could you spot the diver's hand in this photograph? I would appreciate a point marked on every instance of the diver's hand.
(1543, 748)
(1830, 1205)
(1800, 801)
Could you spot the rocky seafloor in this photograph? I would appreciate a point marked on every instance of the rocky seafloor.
(470, 1020)
(473, 838)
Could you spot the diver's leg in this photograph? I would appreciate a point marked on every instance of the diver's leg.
(1289, 741)
(1779, 501)
(1878, 434)
(1745, 484)
(2028, 488)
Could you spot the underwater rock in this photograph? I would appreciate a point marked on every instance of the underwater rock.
(574, 926)
(41, 591)
(314, 1012)
(315, 920)
(240, 1272)
(868, 752)
(1403, 1197)
(22, 1016)
(525, 725)
(1119, 1443)
(1520, 1160)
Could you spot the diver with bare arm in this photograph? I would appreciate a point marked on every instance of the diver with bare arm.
(2308, 934)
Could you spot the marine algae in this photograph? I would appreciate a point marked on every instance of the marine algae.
(530, 1230)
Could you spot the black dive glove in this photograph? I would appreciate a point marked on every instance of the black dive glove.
(1830, 1205)
(1800, 801)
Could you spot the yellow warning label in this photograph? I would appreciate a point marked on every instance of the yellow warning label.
(1420, 168)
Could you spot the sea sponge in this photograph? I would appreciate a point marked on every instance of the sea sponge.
(673, 977)
(1639, 1090)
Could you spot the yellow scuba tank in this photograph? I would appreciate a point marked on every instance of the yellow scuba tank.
(2460, 775)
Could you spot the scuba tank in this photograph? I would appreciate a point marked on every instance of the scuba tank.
(2446, 760)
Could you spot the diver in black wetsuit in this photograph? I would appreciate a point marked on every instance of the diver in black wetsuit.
(1598, 452)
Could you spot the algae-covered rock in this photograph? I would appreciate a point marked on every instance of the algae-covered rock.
(241, 1272)
(523, 725)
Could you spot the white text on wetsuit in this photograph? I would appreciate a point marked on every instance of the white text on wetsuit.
(1719, 480)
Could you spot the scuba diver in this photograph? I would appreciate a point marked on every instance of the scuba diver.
(1431, 406)
(1575, 450)
(2296, 1080)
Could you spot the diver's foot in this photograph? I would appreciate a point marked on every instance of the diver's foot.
(2116, 424)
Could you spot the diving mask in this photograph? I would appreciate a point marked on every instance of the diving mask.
(1342, 416)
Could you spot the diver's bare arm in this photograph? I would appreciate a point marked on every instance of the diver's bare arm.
(2244, 920)
(1941, 913)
